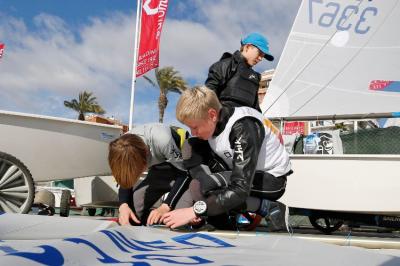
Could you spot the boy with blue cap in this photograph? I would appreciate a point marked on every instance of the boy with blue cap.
(232, 77)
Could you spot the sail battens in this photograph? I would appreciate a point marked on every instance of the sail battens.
(308, 36)
(394, 87)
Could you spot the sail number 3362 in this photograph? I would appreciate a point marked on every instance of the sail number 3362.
(336, 13)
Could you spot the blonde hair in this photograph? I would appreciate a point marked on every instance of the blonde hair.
(127, 159)
(194, 103)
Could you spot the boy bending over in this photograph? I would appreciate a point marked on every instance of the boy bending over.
(155, 147)
(248, 143)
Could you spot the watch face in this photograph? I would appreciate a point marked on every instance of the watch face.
(200, 207)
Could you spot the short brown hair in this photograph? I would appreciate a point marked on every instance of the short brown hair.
(127, 159)
(194, 103)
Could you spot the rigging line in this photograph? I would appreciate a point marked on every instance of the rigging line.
(351, 60)
(311, 60)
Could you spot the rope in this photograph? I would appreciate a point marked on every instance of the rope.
(348, 238)
(289, 229)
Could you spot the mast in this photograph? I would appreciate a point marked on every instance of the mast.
(137, 36)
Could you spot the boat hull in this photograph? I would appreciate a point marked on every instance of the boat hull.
(56, 148)
(345, 183)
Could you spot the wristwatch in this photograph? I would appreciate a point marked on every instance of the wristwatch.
(200, 208)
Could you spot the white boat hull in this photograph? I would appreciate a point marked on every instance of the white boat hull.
(90, 190)
(348, 183)
(56, 148)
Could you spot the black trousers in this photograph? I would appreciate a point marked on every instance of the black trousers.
(267, 186)
(148, 194)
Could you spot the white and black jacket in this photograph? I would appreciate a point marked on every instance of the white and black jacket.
(247, 142)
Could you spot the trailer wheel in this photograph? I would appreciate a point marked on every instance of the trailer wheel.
(91, 211)
(65, 203)
(325, 225)
(16, 185)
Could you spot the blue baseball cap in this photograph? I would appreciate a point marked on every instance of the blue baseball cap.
(260, 42)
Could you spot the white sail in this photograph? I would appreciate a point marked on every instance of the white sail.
(341, 57)
(101, 243)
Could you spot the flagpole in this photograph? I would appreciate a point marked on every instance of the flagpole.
(138, 16)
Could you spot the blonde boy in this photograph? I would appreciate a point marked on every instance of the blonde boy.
(245, 140)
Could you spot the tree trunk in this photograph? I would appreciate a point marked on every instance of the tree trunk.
(81, 117)
(162, 104)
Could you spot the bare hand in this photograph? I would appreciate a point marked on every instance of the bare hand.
(125, 213)
(156, 214)
(178, 217)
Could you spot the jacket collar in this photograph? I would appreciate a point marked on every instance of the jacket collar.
(224, 114)
(236, 56)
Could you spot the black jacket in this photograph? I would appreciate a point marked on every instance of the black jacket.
(234, 81)
(249, 134)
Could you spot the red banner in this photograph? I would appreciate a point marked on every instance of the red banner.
(2, 46)
(153, 16)
(294, 127)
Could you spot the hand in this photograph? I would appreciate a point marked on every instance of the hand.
(156, 214)
(196, 221)
(178, 217)
(125, 213)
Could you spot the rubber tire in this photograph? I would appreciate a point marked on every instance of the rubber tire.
(28, 178)
(91, 211)
(65, 201)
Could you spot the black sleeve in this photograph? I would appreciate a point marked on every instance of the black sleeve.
(180, 185)
(214, 79)
(256, 105)
(218, 75)
(246, 138)
(125, 195)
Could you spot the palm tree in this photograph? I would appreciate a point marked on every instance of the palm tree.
(87, 104)
(168, 79)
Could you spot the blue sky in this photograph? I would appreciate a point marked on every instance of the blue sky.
(55, 49)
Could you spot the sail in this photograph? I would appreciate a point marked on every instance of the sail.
(341, 57)
(90, 242)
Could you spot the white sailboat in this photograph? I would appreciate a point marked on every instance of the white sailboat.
(40, 148)
(341, 58)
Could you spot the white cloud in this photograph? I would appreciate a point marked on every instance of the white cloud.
(190, 47)
(52, 62)
(52, 59)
